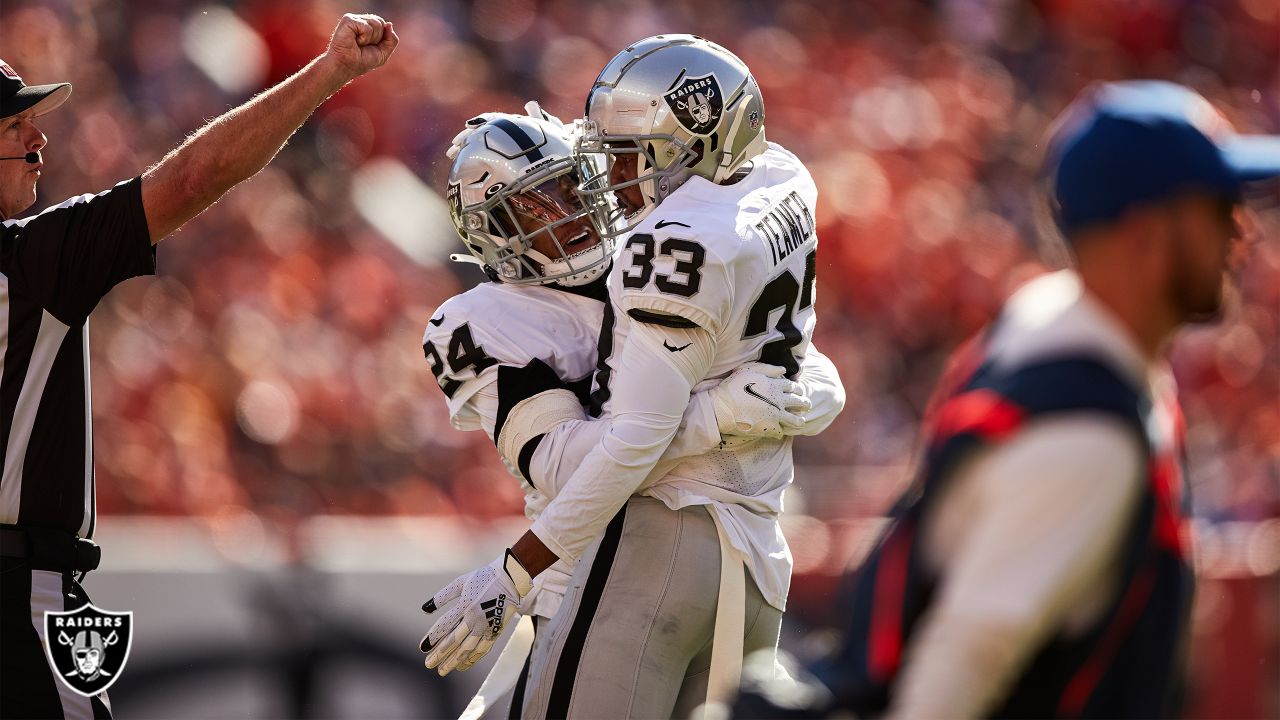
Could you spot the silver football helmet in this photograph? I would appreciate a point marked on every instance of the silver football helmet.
(515, 198)
(681, 106)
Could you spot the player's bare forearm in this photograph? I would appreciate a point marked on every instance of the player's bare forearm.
(533, 554)
(239, 143)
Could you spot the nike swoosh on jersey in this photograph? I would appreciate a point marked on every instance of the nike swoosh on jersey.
(663, 223)
(437, 321)
(675, 349)
(760, 397)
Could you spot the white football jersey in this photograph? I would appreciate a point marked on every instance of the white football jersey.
(739, 261)
(495, 324)
(491, 325)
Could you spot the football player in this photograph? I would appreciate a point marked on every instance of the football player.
(716, 271)
(514, 357)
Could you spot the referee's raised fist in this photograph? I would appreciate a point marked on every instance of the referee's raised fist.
(361, 43)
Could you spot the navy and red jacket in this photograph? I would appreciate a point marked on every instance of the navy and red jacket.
(1129, 663)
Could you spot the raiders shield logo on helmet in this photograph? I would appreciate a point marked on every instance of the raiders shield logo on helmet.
(453, 196)
(88, 647)
(697, 103)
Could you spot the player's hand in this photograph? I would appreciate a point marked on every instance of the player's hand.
(486, 601)
(361, 43)
(757, 401)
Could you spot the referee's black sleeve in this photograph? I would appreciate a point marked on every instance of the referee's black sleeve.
(69, 256)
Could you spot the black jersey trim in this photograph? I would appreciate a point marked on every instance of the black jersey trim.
(571, 654)
(526, 457)
(517, 384)
(663, 319)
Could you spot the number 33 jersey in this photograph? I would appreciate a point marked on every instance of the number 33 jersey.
(738, 261)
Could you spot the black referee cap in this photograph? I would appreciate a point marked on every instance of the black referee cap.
(16, 96)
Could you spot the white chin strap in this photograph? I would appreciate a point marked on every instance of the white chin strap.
(561, 271)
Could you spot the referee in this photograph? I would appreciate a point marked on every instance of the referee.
(54, 268)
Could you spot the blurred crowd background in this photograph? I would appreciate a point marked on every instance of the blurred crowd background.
(274, 367)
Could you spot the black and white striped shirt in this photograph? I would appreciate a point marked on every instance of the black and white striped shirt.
(54, 268)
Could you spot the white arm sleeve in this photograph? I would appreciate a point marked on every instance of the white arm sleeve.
(1046, 517)
(480, 410)
(650, 394)
(563, 449)
(821, 382)
(566, 442)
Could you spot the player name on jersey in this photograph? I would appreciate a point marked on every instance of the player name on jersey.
(787, 226)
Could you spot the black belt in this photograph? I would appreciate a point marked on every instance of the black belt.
(49, 549)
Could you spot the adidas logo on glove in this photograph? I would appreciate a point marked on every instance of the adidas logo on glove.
(493, 610)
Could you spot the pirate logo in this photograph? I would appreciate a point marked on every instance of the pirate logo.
(88, 647)
(453, 196)
(468, 221)
(697, 103)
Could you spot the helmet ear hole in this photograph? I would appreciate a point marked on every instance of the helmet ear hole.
(696, 148)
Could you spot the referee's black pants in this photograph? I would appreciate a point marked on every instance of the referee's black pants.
(28, 688)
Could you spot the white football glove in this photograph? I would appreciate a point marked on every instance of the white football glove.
(757, 401)
(487, 598)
